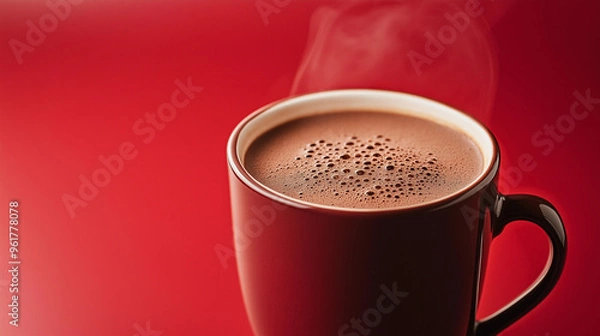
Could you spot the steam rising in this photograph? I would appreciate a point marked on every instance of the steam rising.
(404, 46)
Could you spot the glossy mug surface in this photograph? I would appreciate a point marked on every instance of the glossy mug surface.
(312, 268)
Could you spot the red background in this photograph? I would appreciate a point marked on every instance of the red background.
(142, 250)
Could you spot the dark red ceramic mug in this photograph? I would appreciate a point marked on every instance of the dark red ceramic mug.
(310, 269)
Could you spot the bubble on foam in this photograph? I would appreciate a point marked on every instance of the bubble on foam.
(405, 171)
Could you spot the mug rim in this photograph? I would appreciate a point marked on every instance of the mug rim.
(484, 178)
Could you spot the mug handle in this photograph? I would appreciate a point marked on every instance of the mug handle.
(538, 211)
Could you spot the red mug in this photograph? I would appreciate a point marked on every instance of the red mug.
(311, 269)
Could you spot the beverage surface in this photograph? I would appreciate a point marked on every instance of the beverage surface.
(366, 160)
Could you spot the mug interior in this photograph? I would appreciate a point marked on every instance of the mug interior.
(353, 100)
